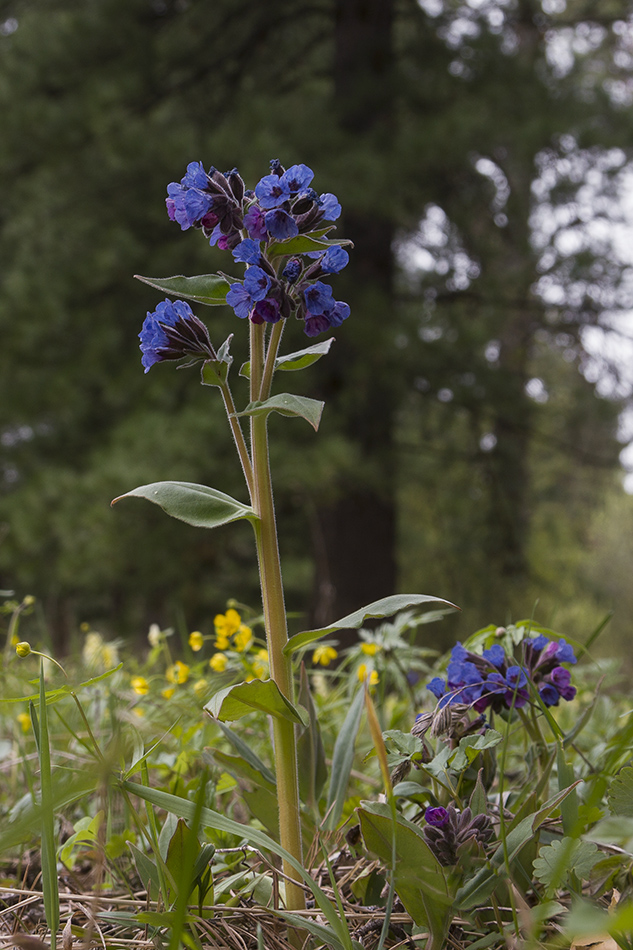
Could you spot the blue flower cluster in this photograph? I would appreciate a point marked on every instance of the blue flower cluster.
(253, 225)
(283, 206)
(495, 680)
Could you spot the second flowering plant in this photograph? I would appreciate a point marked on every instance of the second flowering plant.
(280, 233)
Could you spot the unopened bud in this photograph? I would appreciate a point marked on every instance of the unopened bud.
(23, 648)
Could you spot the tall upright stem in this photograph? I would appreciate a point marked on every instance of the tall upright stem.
(275, 616)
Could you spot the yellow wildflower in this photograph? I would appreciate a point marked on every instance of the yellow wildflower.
(29, 600)
(168, 693)
(200, 687)
(109, 655)
(260, 664)
(178, 672)
(364, 674)
(25, 721)
(140, 685)
(227, 624)
(84, 627)
(370, 649)
(218, 662)
(138, 712)
(324, 655)
(196, 640)
(23, 649)
(243, 638)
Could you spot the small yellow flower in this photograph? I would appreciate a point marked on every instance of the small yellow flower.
(196, 641)
(364, 674)
(84, 627)
(140, 685)
(177, 673)
(218, 662)
(109, 655)
(154, 635)
(168, 693)
(25, 721)
(23, 648)
(29, 600)
(260, 664)
(324, 655)
(221, 642)
(233, 621)
(370, 649)
(243, 638)
(138, 712)
(200, 687)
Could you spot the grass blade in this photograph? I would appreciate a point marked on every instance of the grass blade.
(50, 888)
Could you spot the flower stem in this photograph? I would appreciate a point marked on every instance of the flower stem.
(238, 437)
(275, 617)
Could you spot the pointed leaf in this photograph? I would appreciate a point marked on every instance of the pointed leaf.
(246, 753)
(310, 751)
(197, 505)
(208, 289)
(297, 360)
(287, 404)
(236, 701)
(214, 372)
(378, 609)
(303, 244)
(342, 760)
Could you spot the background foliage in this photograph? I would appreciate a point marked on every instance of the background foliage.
(469, 447)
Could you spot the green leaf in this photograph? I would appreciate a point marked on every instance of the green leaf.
(470, 747)
(557, 860)
(286, 404)
(621, 793)
(342, 760)
(420, 879)
(310, 751)
(147, 871)
(213, 819)
(303, 244)
(378, 609)
(50, 887)
(215, 372)
(263, 695)
(246, 753)
(297, 360)
(197, 505)
(208, 289)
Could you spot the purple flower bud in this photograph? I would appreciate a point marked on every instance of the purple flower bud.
(560, 677)
(438, 817)
(292, 270)
(267, 309)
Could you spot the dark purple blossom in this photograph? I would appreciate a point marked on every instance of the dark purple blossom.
(255, 223)
(256, 283)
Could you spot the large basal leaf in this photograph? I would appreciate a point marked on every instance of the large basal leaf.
(197, 505)
(263, 695)
(420, 880)
(385, 607)
(208, 289)
(287, 405)
(304, 244)
(297, 360)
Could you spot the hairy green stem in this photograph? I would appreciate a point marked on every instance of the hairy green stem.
(275, 615)
(238, 437)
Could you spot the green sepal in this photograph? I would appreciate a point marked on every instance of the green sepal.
(263, 695)
(196, 505)
(297, 360)
(378, 609)
(287, 405)
(215, 372)
(303, 244)
(208, 289)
